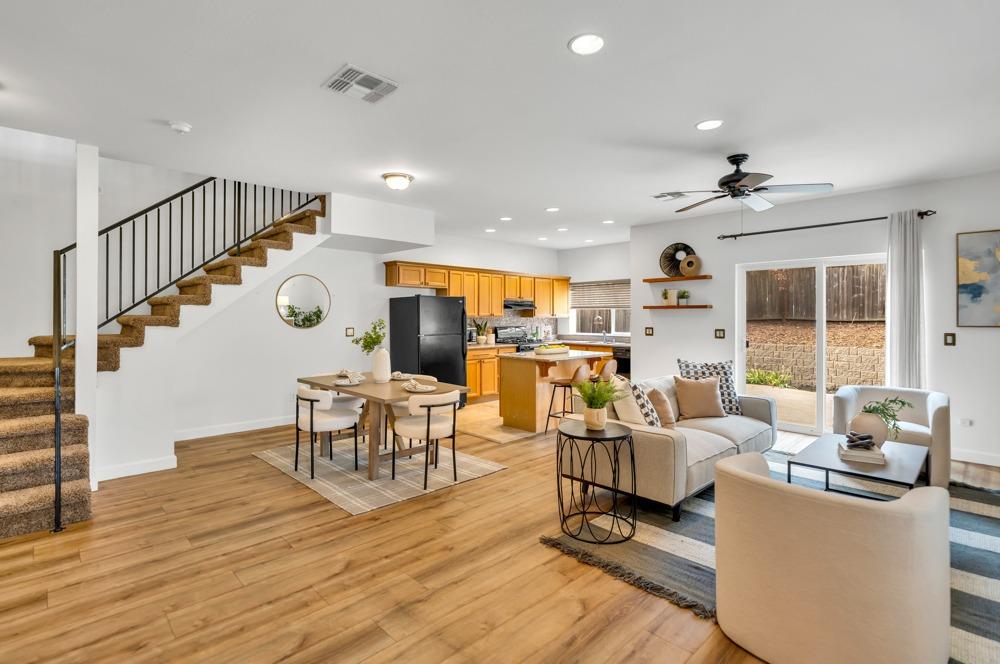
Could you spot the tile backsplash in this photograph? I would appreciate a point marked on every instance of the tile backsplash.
(529, 323)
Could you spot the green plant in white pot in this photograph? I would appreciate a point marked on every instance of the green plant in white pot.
(371, 344)
(879, 418)
(482, 328)
(596, 396)
(682, 297)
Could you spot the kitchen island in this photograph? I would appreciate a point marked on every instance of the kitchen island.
(525, 390)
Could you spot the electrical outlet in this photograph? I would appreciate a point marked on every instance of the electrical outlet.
(949, 338)
(720, 333)
(966, 422)
(348, 331)
(649, 331)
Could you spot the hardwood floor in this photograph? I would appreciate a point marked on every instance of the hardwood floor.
(227, 559)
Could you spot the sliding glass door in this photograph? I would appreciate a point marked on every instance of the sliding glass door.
(808, 327)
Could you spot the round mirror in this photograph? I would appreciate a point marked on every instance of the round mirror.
(302, 301)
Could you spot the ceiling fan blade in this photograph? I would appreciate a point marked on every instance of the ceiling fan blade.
(707, 200)
(795, 188)
(756, 203)
(673, 195)
(751, 180)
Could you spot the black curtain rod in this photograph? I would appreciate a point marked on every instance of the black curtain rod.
(736, 236)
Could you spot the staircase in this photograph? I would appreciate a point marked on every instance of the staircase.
(36, 492)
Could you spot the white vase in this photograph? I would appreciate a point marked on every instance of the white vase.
(595, 418)
(683, 301)
(381, 371)
(871, 423)
(491, 339)
(481, 339)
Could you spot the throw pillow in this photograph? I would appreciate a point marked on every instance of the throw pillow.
(663, 408)
(723, 371)
(634, 407)
(699, 398)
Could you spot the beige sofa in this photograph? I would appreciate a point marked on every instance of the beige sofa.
(809, 576)
(928, 423)
(675, 463)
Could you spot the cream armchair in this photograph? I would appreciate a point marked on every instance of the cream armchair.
(928, 423)
(803, 575)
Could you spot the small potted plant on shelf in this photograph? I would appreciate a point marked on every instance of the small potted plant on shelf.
(371, 344)
(682, 297)
(669, 296)
(596, 396)
(879, 418)
(482, 327)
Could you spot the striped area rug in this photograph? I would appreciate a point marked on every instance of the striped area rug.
(677, 560)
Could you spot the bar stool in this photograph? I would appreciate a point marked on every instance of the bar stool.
(581, 375)
(609, 369)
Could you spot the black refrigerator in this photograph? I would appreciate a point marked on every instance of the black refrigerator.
(427, 336)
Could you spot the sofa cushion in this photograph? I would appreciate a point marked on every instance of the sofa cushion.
(666, 385)
(704, 449)
(699, 398)
(663, 408)
(721, 370)
(746, 433)
(627, 409)
(912, 433)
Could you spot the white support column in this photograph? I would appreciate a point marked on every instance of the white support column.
(87, 259)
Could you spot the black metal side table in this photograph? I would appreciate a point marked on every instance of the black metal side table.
(597, 501)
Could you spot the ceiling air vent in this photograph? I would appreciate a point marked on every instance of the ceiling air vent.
(360, 84)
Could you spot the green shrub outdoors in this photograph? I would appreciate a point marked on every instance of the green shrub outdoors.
(771, 378)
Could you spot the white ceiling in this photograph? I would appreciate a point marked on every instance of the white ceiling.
(495, 117)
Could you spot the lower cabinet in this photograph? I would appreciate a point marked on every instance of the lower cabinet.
(472, 377)
(482, 369)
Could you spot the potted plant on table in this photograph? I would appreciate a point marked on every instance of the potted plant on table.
(371, 344)
(596, 396)
(482, 327)
(682, 297)
(879, 418)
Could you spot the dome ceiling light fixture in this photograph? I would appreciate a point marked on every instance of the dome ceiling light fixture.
(506, 218)
(180, 127)
(709, 125)
(586, 44)
(551, 209)
(397, 181)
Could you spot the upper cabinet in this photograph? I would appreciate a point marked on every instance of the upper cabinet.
(484, 291)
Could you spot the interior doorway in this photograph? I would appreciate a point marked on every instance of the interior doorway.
(806, 328)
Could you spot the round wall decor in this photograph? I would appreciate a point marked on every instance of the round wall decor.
(690, 265)
(670, 259)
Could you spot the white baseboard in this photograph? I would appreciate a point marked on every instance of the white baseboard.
(975, 456)
(135, 468)
(233, 427)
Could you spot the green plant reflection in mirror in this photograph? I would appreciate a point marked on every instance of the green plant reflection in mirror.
(302, 301)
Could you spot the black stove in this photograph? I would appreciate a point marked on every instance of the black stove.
(517, 334)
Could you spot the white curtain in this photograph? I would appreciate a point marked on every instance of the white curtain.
(905, 311)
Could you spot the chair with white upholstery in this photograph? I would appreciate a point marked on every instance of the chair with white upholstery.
(927, 423)
(805, 575)
(316, 413)
(431, 418)
(400, 408)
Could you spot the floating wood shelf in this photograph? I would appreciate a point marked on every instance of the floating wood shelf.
(677, 306)
(660, 280)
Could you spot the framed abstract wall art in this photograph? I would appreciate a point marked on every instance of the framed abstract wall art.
(978, 279)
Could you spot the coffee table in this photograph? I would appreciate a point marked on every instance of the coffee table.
(903, 463)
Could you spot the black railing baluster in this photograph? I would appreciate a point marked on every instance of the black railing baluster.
(170, 240)
(120, 267)
(272, 204)
(132, 226)
(214, 208)
(57, 343)
(145, 254)
(107, 273)
(255, 208)
(224, 196)
(180, 245)
(158, 234)
(192, 232)
(204, 223)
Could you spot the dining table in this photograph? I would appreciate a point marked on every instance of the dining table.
(377, 397)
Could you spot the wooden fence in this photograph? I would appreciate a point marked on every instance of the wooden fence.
(854, 293)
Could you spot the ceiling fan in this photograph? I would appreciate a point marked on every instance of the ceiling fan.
(745, 187)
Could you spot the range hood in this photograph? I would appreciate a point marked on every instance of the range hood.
(518, 305)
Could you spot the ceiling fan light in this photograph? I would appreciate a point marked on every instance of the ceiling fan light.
(709, 125)
(397, 181)
(586, 44)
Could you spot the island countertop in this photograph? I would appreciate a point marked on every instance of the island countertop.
(556, 357)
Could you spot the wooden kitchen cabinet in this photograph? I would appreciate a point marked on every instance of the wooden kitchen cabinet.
(470, 286)
(435, 277)
(543, 297)
(472, 376)
(527, 288)
(409, 275)
(511, 286)
(416, 276)
(485, 290)
(456, 283)
(560, 298)
(496, 295)
(489, 377)
(482, 367)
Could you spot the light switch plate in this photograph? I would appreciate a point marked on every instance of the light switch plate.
(348, 331)
(649, 331)
(949, 339)
(720, 333)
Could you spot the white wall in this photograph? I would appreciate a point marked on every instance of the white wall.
(605, 262)
(127, 187)
(486, 254)
(967, 372)
(37, 216)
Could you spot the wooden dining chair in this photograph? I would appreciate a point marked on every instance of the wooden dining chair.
(320, 416)
(581, 375)
(430, 418)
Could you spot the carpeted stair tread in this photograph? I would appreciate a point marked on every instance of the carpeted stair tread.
(32, 468)
(267, 243)
(180, 299)
(32, 372)
(37, 432)
(28, 365)
(209, 279)
(244, 259)
(30, 510)
(289, 228)
(147, 320)
(103, 341)
(18, 402)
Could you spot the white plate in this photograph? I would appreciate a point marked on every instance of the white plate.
(422, 388)
(343, 372)
(347, 382)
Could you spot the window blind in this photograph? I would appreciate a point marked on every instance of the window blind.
(600, 295)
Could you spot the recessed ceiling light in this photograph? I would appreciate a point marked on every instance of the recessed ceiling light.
(608, 221)
(586, 44)
(562, 230)
(708, 125)
(505, 218)
(543, 239)
(552, 209)
(397, 181)
(588, 241)
(491, 230)
(180, 127)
